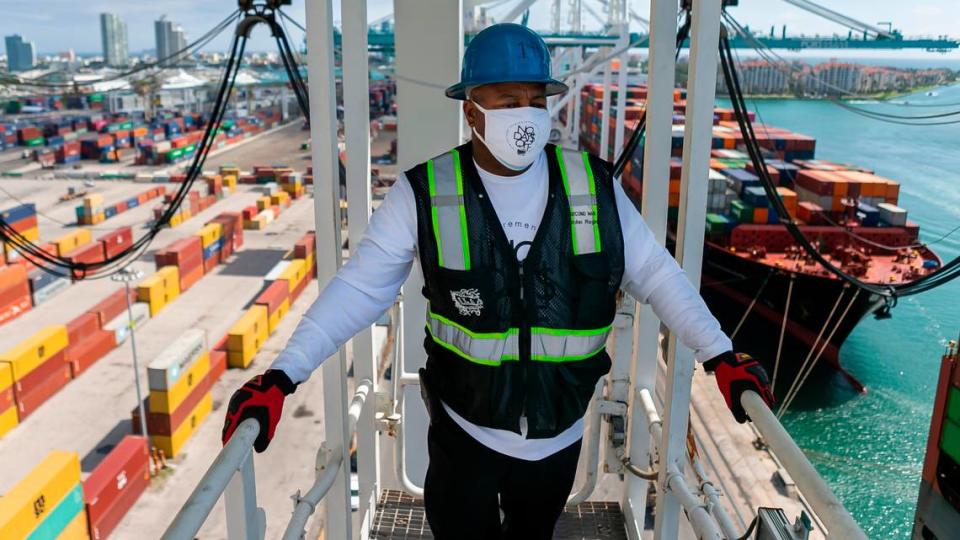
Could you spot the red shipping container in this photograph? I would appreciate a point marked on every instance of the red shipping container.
(305, 246)
(136, 483)
(218, 364)
(82, 326)
(186, 254)
(16, 299)
(221, 344)
(249, 212)
(166, 424)
(35, 378)
(210, 264)
(116, 241)
(143, 197)
(298, 290)
(274, 295)
(110, 481)
(13, 277)
(90, 253)
(121, 206)
(24, 224)
(30, 401)
(113, 305)
(190, 278)
(85, 353)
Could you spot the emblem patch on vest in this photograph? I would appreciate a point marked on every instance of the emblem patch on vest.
(468, 301)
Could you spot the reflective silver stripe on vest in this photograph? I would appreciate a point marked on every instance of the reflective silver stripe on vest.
(490, 349)
(447, 211)
(582, 195)
(550, 345)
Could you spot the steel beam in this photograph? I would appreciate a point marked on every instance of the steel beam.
(326, 199)
(656, 172)
(356, 129)
(429, 124)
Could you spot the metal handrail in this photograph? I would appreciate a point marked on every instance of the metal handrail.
(228, 462)
(839, 522)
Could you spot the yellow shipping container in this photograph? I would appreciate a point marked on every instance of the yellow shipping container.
(8, 420)
(294, 273)
(167, 401)
(263, 203)
(77, 529)
(152, 291)
(278, 315)
(170, 275)
(37, 494)
(175, 220)
(32, 234)
(72, 240)
(247, 336)
(6, 376)
(172, 445)
(255, 224)
(209, 233)
(92, 201)
(34, 350)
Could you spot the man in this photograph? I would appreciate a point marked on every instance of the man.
(523, 248)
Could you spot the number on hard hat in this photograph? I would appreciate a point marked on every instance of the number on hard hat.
(505, 52)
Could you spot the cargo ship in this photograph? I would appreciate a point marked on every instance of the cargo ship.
(768, 294)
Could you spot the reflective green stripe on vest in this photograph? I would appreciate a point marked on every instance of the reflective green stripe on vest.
(582, 194)
(447, 211)
(492, 348)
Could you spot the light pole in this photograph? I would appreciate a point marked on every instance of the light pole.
(126, 275)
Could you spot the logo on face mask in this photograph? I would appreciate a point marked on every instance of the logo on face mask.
(524, 135)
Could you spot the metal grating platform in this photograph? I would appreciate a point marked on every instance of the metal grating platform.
(400, 517)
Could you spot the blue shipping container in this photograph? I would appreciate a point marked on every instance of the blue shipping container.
(12, 215)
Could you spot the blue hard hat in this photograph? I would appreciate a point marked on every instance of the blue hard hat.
(505, 52)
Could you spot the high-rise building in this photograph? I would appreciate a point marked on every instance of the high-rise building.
(113, 35)
(21, 55)
(170, 39)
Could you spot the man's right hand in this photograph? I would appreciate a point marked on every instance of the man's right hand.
(261, 398)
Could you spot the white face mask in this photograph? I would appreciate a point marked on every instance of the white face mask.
(515, 136)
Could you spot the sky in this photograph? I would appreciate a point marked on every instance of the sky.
(58, 25)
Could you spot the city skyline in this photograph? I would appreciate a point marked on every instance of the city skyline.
(922, 17)
(113, 34)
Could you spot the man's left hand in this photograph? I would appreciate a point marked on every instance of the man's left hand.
(737, 373)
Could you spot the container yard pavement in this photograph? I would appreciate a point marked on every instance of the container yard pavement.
(280, 147)
(92, 412)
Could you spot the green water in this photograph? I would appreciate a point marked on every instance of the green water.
(870, 447)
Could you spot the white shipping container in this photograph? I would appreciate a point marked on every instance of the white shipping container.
(275, 272)
(120, 325)
(166, 368)
(892, 214)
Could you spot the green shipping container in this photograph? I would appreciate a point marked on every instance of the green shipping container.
(126, 125)
(950, 439)
(716, 224)
(61, 516)
(741, 212)
(35, 142)
(95, 98)
(953, 404)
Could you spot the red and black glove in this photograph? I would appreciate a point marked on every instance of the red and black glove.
(736, 373)
(261, 398)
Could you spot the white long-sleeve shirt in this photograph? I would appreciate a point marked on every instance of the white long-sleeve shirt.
(367, 285)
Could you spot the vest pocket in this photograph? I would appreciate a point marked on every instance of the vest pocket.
(591, 273)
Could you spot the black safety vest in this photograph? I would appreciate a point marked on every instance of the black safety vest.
(505, 338)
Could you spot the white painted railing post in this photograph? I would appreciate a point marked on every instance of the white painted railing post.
(245, 521)
(326, 194)
(656, 172)
(356, 127)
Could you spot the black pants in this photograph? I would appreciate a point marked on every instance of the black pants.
(467, 485)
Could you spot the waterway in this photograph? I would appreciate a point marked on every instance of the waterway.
(870, 446)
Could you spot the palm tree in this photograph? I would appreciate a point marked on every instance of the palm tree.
(146, 87)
